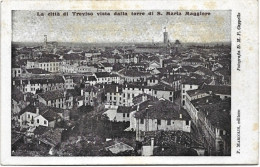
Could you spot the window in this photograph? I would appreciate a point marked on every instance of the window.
(127, 115)
(38, 121)
(191, 86)
(158, 121)
(183, 91)
(183, 86)
(187, 122)
(183, 96)
(142, 121)
(168, 122)
(155, 92)
(114, 98)
(170, 98)
(123, 114)
(45, 122)
(170, 93)
(28, 115)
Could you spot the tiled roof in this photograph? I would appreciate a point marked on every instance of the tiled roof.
(102, 74)
(161, 109)
(162, 87)
(124, 109)
(112, 88)
(52, 95)
(17, 95)
(226, 90)
(51, 137)
(133, 73)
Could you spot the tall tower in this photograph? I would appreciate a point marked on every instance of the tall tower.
(165, 36)
(45, 41)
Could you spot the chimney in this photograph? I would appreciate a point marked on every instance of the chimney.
(144, 98)
(180, 116)
(37, 111)
(65, 93)
(81, 92)
(152, 142)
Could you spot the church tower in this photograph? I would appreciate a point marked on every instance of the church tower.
(165, 36)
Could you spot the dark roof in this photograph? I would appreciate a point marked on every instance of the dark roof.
(17, 95)
(72, 57)
(218, 113)
(133, 73)
(51, 137)
(102, 74)
(106, 65)
(41, 130)
(193, 60)
(162, 87)
(124, 109)
(47, 59)
(161, 109)
(49, 113)
(91, 89)
(37, 71)
(112, 88)
(90, 78)
(188, 68)
(205, 71)
(52, 95)
(73, 92)
(226, 90)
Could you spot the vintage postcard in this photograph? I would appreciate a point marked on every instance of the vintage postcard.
(129, 82)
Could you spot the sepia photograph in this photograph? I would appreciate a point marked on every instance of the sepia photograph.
(121, 83)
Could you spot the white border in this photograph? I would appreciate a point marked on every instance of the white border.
(244, 83)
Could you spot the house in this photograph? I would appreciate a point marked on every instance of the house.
(107, 67)
(151, 81)
(106, 78)
(16, 71)
(90, 80)
(222, 91)
(212, 117)
(154, 65)
(114, 95)
(189, 84)
(56, 98)
(68, 82)
(46, 63)
(195, 62)
(92, 95)
(34, 72)
(38, 115)
(154, 115)
(42, 83)
(19, 102)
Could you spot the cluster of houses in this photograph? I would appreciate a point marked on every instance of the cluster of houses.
(185, 89)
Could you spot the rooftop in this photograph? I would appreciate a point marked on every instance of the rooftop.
(161, 109)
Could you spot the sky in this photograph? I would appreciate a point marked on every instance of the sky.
(28, 27)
